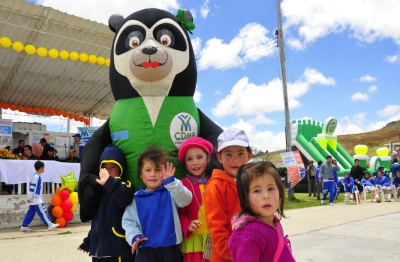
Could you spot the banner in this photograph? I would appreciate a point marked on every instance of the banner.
(86, 133)
(5, 132)
(294, 166)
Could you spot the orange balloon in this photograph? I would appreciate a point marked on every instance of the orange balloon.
(43, 110)
(76, 117)
(13, 107)
(71, 116)
(50, 111)
(56, 200)
(87, 121)
(5, 105)
(57, 211)
(61, 221)
(36, 110)
(28, 109)
(81, 118)
(65, 114)
(58, 190)
(21, 108)
(58, 112)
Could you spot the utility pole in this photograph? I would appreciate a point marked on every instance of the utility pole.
(279, 34)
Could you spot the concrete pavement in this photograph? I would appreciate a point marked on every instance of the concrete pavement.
(366, 232)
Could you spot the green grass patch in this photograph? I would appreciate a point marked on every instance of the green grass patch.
(65, 233)
(301, 200)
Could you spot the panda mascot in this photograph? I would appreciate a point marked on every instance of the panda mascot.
(153, 79)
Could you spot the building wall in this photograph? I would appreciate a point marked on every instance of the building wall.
(13, 209)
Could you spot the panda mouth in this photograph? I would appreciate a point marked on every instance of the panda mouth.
(152, 64)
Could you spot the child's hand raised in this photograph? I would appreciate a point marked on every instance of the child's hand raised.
(167, 171)
(104, 175)
(136, 243)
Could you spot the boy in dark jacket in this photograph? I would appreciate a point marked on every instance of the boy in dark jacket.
(106, 239)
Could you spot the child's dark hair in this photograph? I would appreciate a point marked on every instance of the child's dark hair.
(154, 154)
(246, 174)
(38, 165)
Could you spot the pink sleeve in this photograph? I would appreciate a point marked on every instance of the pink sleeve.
(243, 249)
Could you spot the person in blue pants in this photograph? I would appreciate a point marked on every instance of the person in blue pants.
(35, 201)
(327, 178)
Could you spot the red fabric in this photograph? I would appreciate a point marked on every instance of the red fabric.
(190, 212)
(221, 203)
(194, 257)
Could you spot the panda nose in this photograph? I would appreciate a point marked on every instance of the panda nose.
(149, 50)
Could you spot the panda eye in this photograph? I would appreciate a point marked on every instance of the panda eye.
(134, 39)
(165, 37)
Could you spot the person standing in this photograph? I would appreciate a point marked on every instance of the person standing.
(310, 171)
(78, 145)
(317, 181)
(395, 167)
(327, 179)
(357, 173)
(35, 201)
(46, 146)
(20, 149)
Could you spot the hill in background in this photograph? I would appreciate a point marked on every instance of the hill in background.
(374, 140)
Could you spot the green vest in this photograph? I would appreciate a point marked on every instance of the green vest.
(132, 130)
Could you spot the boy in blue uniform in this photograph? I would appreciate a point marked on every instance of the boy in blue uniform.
(35, 201)
(106, 239)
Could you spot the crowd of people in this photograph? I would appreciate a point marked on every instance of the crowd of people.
(49, 153)
(324, 179)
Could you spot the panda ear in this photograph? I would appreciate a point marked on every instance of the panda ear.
(114, 22)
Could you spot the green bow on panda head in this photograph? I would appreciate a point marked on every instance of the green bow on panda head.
(186, 18)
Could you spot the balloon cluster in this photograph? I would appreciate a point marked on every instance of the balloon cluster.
(43, 111)
(63, 204)
(53, 53)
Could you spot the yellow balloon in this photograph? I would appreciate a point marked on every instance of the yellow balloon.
(92, 59)
(83, 57)
(74, 206)
(73, 197)
(74, 56)
(101, 60)
(108, 62)
(64, 55)
(53, 53)
(30, 49)
(41, 51)
(5, 42)
(18, 46)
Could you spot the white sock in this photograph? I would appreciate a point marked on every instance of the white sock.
(376, 196)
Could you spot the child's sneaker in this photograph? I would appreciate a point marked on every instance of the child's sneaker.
(322, 201)
(378, 200)
(331, 204)
(52, 226)
(25, 229)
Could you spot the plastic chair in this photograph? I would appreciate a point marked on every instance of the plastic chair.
(378, 187)
(357, 195)
(394, 191)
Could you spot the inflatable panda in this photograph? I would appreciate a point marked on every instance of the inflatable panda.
(153, 79)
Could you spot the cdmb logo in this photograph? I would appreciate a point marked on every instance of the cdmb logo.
(183, 126)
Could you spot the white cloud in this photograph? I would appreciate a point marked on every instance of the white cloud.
(360, 96)
(372, 89)
(366, 21)
(100, 11)
(389, 110)
(247, 98)
(196, 44)
(251, 44)
(367, 78)
(197, 96)
(204, 9)
(392, 59)
(351, 125)
(217, 92)
(260, 119)
(263, 140)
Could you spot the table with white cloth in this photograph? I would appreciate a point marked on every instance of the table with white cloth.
(21, 171)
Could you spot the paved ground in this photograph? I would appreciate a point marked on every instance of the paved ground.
(366, 232)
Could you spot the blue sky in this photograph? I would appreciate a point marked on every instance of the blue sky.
(343, 60)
